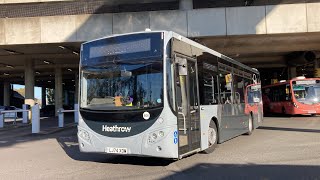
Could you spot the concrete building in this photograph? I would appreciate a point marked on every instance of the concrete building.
(40, 39)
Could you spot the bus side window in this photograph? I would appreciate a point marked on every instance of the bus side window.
(225, 88)
(208, 86)
(239, 89)
(288, 93)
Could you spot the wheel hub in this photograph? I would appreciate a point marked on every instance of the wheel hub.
(212, 136)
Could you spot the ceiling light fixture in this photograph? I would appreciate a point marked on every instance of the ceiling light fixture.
(69, 69)
(73, 50)
(47, 62)
(6, 74)
(37, 72)
(9, 66)
(12, 51)
(62, 47)
(75, 53)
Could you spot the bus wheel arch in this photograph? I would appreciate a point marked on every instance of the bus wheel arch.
(213, 135)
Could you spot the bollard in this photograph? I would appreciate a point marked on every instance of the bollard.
(1, 120)
(35, 119)
(61, 118)
(25, 114)
(76, 113)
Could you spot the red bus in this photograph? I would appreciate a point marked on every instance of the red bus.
(296, 96)
(253, 100)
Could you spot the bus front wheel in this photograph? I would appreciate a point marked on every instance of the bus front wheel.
(212, 138)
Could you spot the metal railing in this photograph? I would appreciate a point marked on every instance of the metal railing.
(35, 110)
(61, 112)
(24, 111)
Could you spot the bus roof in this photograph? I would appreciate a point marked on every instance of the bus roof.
(213, 52)
(276, 84)
(288, 81)
(189, 41)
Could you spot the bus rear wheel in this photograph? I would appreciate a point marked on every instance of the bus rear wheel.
(250, 126)
(212, 138)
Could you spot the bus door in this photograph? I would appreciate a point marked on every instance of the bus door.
(187, 98)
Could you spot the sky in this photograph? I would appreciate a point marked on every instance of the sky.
(37, 90)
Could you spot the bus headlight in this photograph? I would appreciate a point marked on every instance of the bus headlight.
(157, 136)
(154, 136)
(161, 133)
(160, 120)
(84, 135)
(295, 105)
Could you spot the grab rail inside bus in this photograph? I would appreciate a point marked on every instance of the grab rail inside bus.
(184, 122)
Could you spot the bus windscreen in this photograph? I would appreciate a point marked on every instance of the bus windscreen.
(122, 72)
(307, 92)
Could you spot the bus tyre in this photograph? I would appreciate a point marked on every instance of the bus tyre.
(212, 138)
(250, 126)
(284, 112)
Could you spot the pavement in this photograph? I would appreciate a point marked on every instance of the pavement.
(283, 148)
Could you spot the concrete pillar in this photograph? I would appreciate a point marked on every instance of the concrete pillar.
(292, 72)
(76, 89)
(317, 68)
(317, 63)
(29, 82)
(6, 94)
(43, 97)
(1, 94)
(58, 89)
(186, 5)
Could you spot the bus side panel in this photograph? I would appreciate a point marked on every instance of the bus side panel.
(166, 146)
(260, 116)
(207, 112)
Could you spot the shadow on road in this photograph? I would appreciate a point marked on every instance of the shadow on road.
(289, 129)
(70, 146)
(278, 115)
(247, 171)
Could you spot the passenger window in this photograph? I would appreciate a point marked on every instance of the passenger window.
(225, 79)
(239, 89)
(210, 91)
(288, 93)
(208, 85)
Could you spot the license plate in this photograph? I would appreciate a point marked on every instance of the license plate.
(114, 150)
(311, 112)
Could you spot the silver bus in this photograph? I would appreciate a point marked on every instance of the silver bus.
(157, 93)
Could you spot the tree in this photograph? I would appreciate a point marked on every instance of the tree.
(50, 95)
